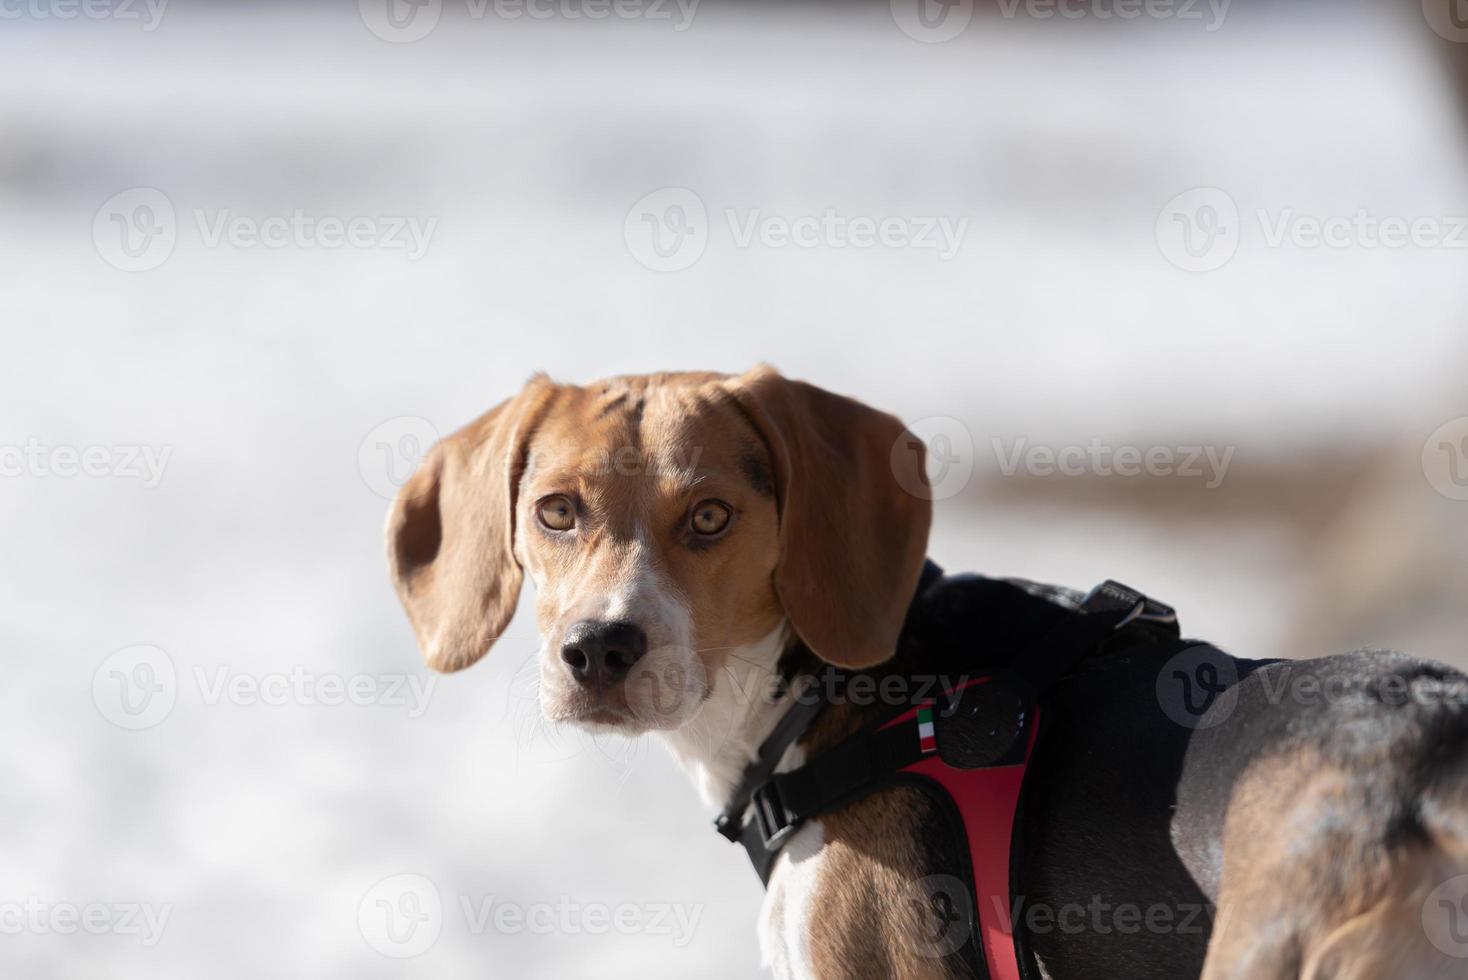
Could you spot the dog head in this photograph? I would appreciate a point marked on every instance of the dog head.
(665, 521)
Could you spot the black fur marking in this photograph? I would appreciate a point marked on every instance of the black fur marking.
(752, 464)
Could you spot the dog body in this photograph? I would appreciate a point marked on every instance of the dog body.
(699, 542)
(1143, 816)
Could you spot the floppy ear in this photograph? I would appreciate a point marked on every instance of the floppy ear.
(450, 533)
(852, 540)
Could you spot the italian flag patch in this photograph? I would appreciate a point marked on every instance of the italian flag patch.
(926, 742)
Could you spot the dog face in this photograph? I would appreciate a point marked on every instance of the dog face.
(665, 520)
(647, 521)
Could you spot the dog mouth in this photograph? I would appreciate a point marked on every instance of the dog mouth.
(606, 719)
(609, 717)
(595, 710)
(628, 712)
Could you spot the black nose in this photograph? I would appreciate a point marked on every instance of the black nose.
(601, 653)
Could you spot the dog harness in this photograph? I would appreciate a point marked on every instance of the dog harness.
(972, 743)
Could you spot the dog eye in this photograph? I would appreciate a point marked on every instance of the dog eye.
(710, 517)
(557, 513)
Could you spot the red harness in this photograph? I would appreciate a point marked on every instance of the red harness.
(988, 800)
(974, 744)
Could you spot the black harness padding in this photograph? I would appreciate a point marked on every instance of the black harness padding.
(989, 726)
(1109, 608)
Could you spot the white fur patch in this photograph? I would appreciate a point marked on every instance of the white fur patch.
(725, 735)
(716, 746)
(784, 928)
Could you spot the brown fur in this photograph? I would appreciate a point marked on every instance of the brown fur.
(873, 921)
(1313, 896)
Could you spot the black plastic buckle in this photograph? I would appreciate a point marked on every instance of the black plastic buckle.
(776, 824)
(1149, 611)
(730, 825)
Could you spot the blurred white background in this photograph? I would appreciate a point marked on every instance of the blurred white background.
(275, 389)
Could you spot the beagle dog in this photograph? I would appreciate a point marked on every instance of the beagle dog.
(699, 541)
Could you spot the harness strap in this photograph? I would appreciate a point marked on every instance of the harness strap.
(975, 743)
(792, 725)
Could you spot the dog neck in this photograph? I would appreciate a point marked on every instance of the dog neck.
(744, 703)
